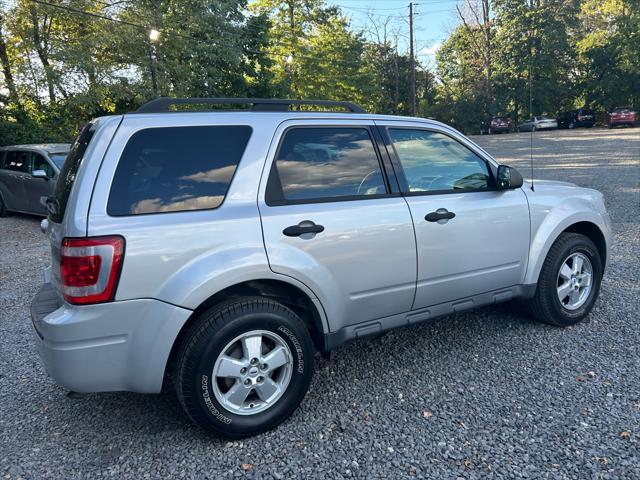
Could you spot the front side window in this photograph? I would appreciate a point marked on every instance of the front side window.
(432, 161)
(39, 163)
(176, 169)
(323, 163)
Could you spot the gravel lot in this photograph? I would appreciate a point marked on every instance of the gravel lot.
(487, 393)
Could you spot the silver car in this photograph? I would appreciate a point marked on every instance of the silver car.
(27, 174)
(538, 123)
(221, 249)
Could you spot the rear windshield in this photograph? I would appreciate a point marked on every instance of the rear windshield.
(57, 203)
(175, 169)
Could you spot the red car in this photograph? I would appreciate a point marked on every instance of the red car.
(622, 116)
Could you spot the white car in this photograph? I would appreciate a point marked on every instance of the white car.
(538, 123)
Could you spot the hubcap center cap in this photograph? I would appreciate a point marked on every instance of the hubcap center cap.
(254, 371)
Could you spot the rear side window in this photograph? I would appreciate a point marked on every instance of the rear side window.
(57, 203)
(17, 161)
(325, 163)
(176, 169)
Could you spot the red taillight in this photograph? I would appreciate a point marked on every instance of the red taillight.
(90, 267)
(580, 118)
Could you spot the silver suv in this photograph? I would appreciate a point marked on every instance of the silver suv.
(221, 249)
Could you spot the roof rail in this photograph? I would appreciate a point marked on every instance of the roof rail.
(164, 104)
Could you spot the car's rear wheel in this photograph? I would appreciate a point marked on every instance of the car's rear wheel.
(244, 366)
(572, 125)
(569, 281)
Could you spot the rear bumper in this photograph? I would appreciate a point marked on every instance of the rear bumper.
(106, 347)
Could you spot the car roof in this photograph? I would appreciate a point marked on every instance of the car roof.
(46, 147)
(293, 115)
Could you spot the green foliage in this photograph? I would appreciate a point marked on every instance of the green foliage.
(60, 68)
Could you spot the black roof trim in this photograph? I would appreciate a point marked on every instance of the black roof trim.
(164, 104)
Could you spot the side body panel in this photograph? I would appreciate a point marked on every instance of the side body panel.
(12, 187)
(483, 248)
(362, 266)
(36, 188)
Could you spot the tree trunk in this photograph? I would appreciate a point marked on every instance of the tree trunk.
(487, 55)
(8, 75)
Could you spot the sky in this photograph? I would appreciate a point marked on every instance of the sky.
(433, 21)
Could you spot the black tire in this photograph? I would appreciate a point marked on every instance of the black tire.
(203, 343)
(545, 305)
(3, 208)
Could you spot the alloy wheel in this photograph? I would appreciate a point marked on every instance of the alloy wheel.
(252, 372)
(574, 281)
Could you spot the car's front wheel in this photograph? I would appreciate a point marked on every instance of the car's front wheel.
(569, 281)
(244, 366)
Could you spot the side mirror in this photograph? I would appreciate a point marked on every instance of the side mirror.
(39, 174)
(508, 178)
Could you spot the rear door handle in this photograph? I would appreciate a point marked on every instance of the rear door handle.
(302, 228)
(440, 214)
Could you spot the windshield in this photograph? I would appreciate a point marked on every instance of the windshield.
(58, 158)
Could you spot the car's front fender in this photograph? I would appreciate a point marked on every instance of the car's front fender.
(548, 221)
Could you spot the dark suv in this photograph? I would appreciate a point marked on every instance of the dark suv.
(496, 125)
(577, 118)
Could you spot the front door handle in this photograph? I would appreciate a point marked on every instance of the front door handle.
(440, 214)
(302, 228)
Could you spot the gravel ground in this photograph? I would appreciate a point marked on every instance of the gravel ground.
(482, 394)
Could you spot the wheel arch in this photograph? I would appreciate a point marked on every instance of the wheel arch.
(590, 227)
(592, 232)
(307, 307)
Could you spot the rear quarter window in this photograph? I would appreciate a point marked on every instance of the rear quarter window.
(57, 203)
(176, 169)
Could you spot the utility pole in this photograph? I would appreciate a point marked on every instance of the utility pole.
(412, 63)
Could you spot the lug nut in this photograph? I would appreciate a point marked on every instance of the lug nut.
(264, 366)
(247, 382)
(243, 370)
(260, 379)
(254, 361)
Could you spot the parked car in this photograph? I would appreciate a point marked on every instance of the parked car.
(577, 118)
(28, 173)
(538, 123)
(496, 125)
(622, 116)
(220, 249)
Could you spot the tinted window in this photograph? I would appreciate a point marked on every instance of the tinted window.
(39, 163)
(17, 161)
(57, 203)
(176, 169)
(321, 163)
(433, 161)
